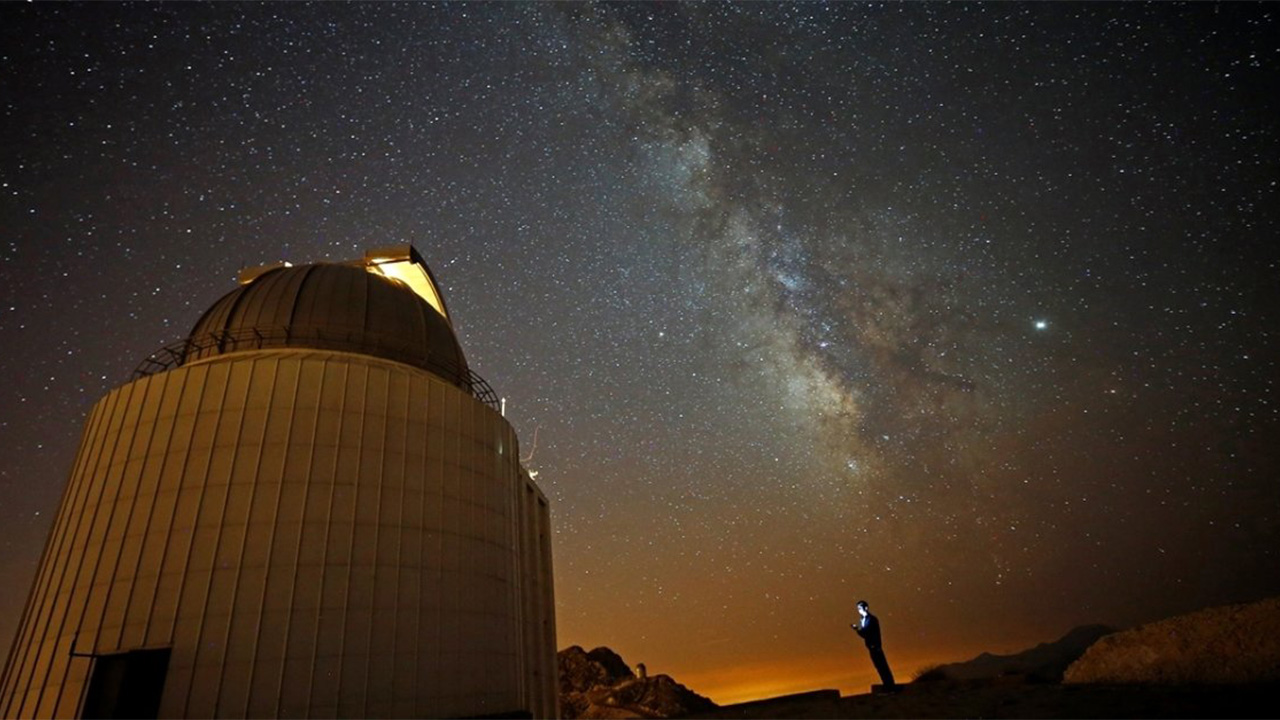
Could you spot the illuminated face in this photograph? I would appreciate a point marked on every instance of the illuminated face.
(862, 610)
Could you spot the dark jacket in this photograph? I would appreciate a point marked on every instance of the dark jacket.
(869, 630)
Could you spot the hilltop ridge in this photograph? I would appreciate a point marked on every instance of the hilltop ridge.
(1045, 662)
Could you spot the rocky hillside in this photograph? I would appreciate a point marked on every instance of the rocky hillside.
(598, 684)
(1044, 662)
(1231, 644)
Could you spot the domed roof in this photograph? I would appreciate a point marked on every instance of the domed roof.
(348, 307)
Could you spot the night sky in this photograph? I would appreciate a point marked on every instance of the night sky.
(967, 310)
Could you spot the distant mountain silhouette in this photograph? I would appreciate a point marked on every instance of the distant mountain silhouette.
(1045, 662)
(1230, 645)
(598, 684)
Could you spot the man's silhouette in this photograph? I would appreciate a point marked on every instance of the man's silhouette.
(869, 629)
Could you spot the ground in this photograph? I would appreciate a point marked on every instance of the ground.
(1015, 699)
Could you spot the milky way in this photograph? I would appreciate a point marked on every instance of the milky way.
(964, 309)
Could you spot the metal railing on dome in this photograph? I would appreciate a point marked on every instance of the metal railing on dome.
(358, 341)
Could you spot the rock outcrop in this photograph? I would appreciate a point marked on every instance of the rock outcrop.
(598, 684)
(1235, 644)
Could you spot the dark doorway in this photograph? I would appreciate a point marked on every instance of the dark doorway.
(127, 684)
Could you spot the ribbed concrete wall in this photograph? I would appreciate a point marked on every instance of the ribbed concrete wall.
(313, 534)
(541, 672)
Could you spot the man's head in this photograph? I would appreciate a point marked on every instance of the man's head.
(862, 608)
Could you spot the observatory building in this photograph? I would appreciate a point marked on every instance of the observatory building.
(309, 507)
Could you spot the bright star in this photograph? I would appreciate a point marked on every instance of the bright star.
(1041, 324)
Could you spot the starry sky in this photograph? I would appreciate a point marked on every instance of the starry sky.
(968, 310)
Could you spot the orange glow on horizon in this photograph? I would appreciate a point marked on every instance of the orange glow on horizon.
(850, 673)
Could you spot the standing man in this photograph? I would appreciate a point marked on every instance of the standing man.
(869, 629)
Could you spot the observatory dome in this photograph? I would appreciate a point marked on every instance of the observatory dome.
(344, 307)
(309, 507)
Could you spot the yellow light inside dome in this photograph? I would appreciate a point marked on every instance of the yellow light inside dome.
(405, 265)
